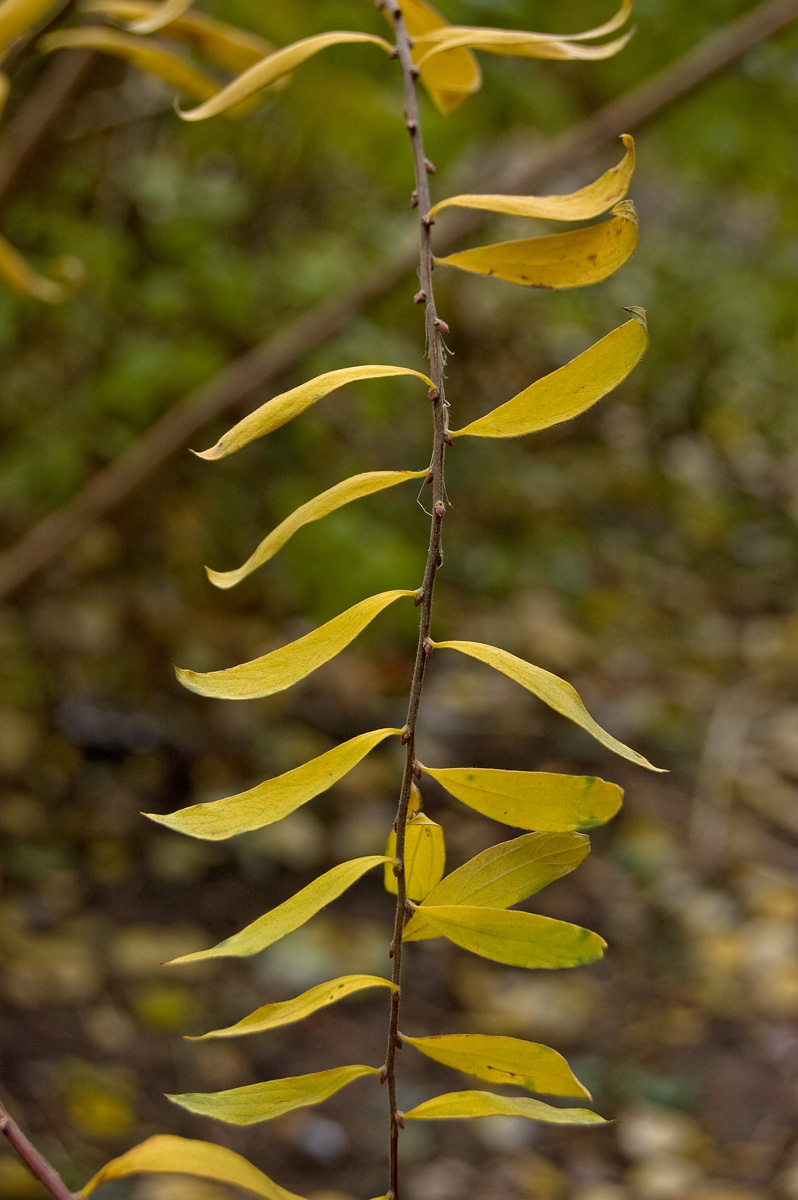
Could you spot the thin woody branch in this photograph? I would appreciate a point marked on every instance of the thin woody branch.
(33, 1160)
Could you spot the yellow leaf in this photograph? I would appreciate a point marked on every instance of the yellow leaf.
(15, 272)
(168, 11)
(519, 939)
(265, 1101)
(561, 260)
(232, 48)
(270, 69)
(588, 202)
(425, 857)
(320, 506)
(168, 1155)
(289, 915)
(503, 1060)
(552, 690)
(19, 16)
(276, 798)
(533, 799)
(485, 1104)
(281, 668)
(5, 87)
(451, 77)
(503, 875)
(286, 1012)
(570, 390)
(438, 36)
(173, 70)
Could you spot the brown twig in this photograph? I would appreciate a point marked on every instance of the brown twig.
(33, 1160)
(263, 363)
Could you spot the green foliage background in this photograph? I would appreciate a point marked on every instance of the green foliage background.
(647, 552)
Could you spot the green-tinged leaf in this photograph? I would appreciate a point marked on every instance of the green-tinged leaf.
(425, 857)
(552, 690)
(276, 798)
(164, 13)
(503, 875)
(277, 65)
(279, 670)
(265, 1101)
(19, 16)
(320, 506)
(283, 408)
(289, 915)
(286, 1012)
(533, 799)
(230, 47)
(449, 78)
(519, 939)
(165, 1154)
(561, 260)
(582, 205)
(174, 70)
(568, 391)
(485, 1104)
(503, 1060)
(18, 275)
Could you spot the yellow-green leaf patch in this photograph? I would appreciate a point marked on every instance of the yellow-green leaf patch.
(425, 857)
(265, 1101)
(503, 1060)
(484, 1104)
(519, 939)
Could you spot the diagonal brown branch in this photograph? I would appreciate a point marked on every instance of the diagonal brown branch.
(265, 362)
(36, 1164)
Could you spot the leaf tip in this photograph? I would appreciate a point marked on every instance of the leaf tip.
(639, 315)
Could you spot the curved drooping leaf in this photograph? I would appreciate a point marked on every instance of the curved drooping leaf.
(174, 70)
(283, 408)
(533, 799)
(503, 1060)
(281, 668)
(286, 1012)
(519, 939)
(166, 1154)
(485, 1104)
(274, 799)
(20, 276)
(453, 33)
(561, 260)
(320, 506)
(449, 78)
(503, 875)
(230, 47)
(265, 1101)
(166, 12)
(425, 857)
(552, 690)
(277, 65)
(20, 16)
(569, 390)
(590, 201)
(289, 915)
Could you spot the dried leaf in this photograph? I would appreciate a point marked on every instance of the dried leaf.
(552, 690)
(19, 16)
(485, 1104)
(519, 939)
(19, 276)
(281, 668)
(320, 506)
(449, 78)
(169, 1155)
(286, 1012)
(164, 13)
(276, 798)
(561, 260)
(283, 408)
(570, 390)
(265, 1101)
(588, 202)
(425, 857)
(289, 915)
(503, 1060)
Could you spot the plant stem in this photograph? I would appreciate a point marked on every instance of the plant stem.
(437, 357)
(36, 1164)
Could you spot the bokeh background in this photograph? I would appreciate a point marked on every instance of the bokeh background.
(647, 551)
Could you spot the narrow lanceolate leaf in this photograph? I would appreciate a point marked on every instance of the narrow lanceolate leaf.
(154, 59)
(165, 1154)
(277, 65)
(276, 798)
(425, 857)
(283, 408)
(18, 275)
(503, 1060)
(449, 33)
(582, 205)
(286, 1012)
(562, 260)
(279, 670)
(568, 391)
(503, 875)
(552, 690)
(519, 939)
(290, 915)
(19, 16)
(449, 78)
(320, 506)
(485, 1104)
(520, 45)
(168, 10)
(265, 1101)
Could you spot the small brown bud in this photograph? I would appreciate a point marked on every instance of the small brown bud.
(400, 1119)
(430, 477)
(418, 598)
(414, 200)
(415, 72)
(430, 167)
(390, 951)
(427, 222)
(398, 1042)
(444, 328)
(383, 1074)
(440, 560)
(417, 771)
(405, 736)
(440, 510)
(394, 53)
(447, 437)
(412, 126)
(397, 869)
(427, 646)
(434, 394)
(420, 297)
